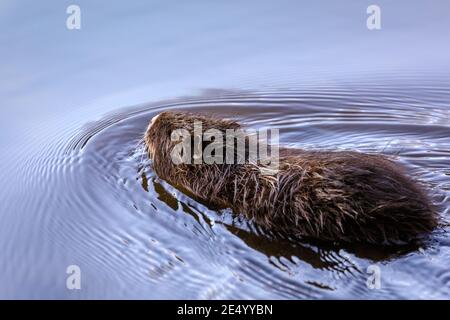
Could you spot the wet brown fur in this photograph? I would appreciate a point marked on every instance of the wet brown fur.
(339, 196)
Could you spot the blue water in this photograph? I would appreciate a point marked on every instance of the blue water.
(76, 186)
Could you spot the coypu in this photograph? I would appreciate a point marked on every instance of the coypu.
(327, 195)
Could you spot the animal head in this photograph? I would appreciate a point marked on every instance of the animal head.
(166, 130)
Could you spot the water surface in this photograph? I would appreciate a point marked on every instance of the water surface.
(78, 189)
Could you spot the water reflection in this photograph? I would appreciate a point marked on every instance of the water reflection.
(213, 239)
(77, 188)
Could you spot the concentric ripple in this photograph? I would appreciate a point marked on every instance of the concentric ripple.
(138, 237)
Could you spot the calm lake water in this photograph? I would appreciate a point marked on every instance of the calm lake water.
(78, 189)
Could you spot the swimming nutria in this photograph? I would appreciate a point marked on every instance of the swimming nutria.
(328, 195)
